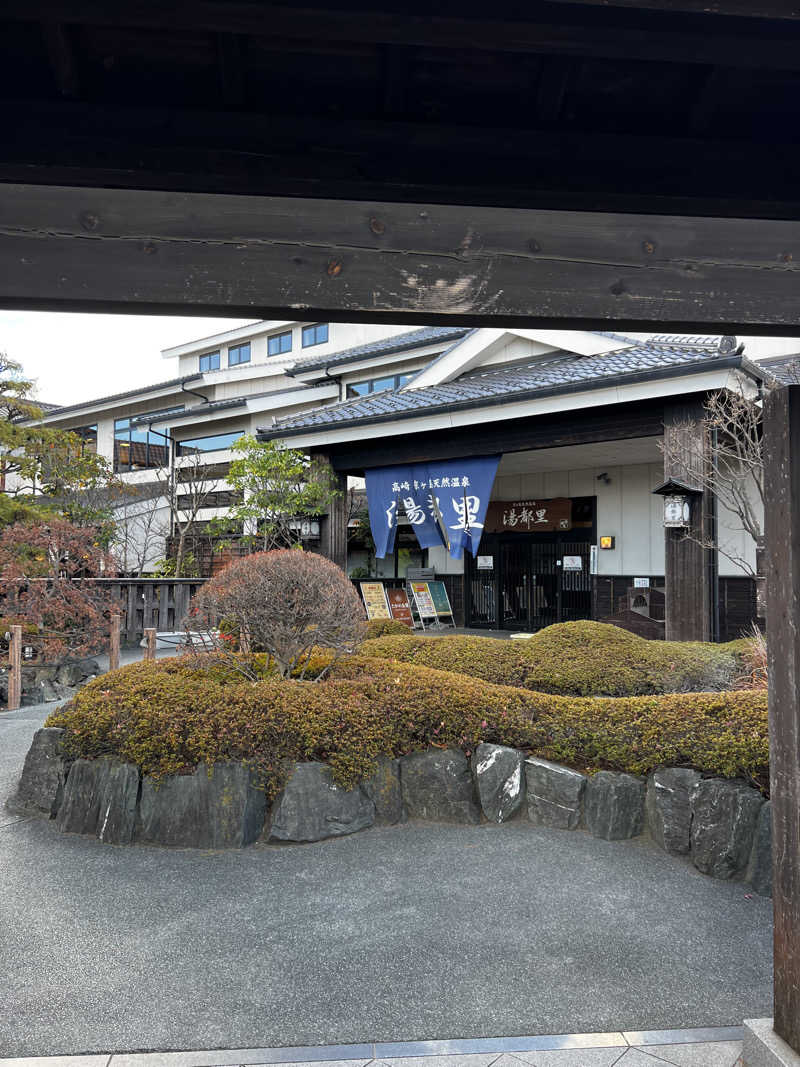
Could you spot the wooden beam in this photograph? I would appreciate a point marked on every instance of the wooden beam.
(752, 9)
(782, 515)
(617, 36)
(228, 151)
(231, 60)
(62, 58)
(114, 249)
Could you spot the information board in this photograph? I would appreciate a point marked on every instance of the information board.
(441, 601)
(374, 596)
(399, 606)
(423, 600)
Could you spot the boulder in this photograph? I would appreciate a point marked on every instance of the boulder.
(383, 789)
(43, 775)
(437, 784)
(312, 806)
(75, 672)
(614, 805)
(724, 817)
(554, 794)
(100, 798)
(497, 771)
(668, 808)
(759, 869)
(220, 806)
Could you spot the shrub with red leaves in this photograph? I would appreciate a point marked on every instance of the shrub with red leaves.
(284, 603)
(46, 581)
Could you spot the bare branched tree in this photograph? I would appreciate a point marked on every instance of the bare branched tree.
(189, 487)
(141, 528)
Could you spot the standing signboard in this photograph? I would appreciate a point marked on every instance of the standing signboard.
(423, 602)
(374, 596)
(399, 606)
(441, 601)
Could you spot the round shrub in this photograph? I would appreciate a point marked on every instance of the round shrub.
(386, 628)
(170, 715)
(573, 658)
(284, 603)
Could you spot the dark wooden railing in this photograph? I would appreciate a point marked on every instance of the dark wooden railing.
(151, 603)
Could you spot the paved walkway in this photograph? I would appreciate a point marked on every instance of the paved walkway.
(402, 934)
(680, 1048)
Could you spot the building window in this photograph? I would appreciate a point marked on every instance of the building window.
(377, 385)
(137, 448)
(315, 335)
(239, 354)
(215, 443)
(279, 343)
(88, 436)
(210, 361)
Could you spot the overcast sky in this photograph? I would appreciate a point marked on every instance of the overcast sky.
(76, 357)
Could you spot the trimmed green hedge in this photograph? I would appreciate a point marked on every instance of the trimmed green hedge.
(385, 627)
(168, 716)
(572, 658)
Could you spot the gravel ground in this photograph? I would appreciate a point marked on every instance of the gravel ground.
(414, 932)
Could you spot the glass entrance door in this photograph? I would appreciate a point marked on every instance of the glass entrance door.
(515, 584)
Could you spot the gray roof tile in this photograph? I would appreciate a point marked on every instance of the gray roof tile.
(543, 374)
(428, 335)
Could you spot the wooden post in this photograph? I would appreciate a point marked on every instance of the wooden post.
(687, 573)
(15, 669)
(333, 526)
(150, 638)
(113, 648)
(782, 530)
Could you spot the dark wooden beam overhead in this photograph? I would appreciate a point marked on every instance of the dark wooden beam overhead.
(62, 58)
(543, 33)
(115, 249)
(753, 9)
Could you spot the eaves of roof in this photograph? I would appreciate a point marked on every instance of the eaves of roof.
(141, 391)
(400, 342)
(733, 361)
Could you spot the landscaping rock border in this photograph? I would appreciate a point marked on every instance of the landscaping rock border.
(721, 825)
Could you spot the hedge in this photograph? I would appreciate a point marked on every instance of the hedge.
(385, 627)
(170, 715)
(572, 658)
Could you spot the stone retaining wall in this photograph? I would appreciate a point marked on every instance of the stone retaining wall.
(723, 826)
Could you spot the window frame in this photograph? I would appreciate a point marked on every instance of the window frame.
(400, 379)
(311, 330)
(180, 445)
(238, 348)
(279, 337)
(209, 356)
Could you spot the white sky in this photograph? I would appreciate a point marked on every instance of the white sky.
(75, 357)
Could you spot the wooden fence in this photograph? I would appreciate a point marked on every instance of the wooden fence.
(151, 603)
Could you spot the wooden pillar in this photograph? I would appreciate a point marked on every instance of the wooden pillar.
(15, 669)
(333, 526)
(688, 571)
(113, 645)
(782, 529)
(150, 646)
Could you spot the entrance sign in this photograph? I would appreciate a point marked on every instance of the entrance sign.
(572, 563)
(529, 516)
(399, 606)
(641, 583)
(485, 563)
(445, 502)
(441, 601)
(422, 597)
(374, 596)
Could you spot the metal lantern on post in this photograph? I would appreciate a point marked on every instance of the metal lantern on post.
(678, 497)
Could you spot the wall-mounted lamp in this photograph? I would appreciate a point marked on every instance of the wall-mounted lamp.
(604, 478)
(678, 498)
(607, 541)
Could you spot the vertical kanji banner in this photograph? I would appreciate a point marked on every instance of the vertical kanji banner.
(445, 502)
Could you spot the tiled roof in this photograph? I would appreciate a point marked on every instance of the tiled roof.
(785, 369)
(428, 335)
(131, 393)
(510, 381)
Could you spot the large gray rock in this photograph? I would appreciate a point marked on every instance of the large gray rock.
(759, 868)
(75, 672)
(220, 806)
(437, 784)
(724, 817)
(312, 806)
(43, 775)
(668, 808)
(614, 805)
(497, 771)
(100, 798)
(554, 793)
(383, 789)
